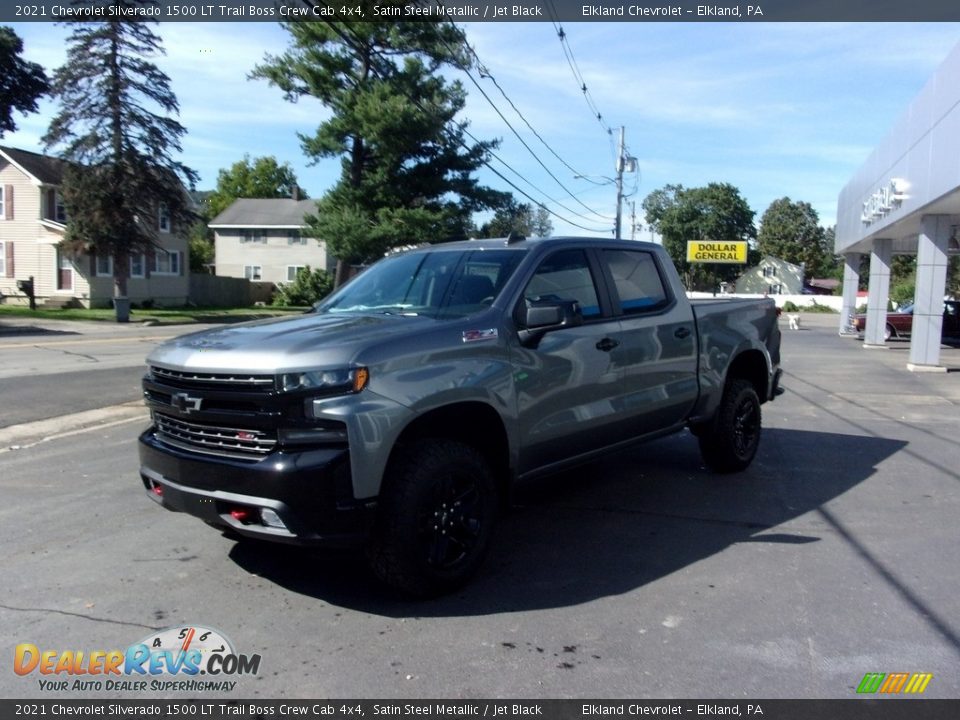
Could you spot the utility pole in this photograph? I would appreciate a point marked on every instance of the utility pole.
(623, 163)
(620, 163)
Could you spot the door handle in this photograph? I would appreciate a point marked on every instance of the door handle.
(607, 344)
(681, 333)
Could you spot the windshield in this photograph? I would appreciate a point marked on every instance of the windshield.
(440, 283)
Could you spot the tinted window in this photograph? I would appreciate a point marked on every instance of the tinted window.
(637, 280)
(566, 276)
(441, 283)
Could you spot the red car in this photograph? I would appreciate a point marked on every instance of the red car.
(900, 323)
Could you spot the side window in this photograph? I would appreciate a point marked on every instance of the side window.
(565, 275)
(637, 280)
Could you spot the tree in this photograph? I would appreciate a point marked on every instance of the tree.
(306, 289)
(21, 82)
(116, 131)
(519, 218)
(201, 247)
(406, 167)
(263, 178)
(716, 212)
(791, 231)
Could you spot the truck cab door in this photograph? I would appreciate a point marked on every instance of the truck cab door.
(658, 340)
(567, 380)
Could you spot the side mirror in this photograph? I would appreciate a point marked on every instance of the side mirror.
(541, 316)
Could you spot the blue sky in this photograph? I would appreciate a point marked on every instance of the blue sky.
(777, 110)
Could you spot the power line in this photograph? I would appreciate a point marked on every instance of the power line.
(524, 142)
(575, 69)
(532, 185)
(485, 73)
(352, 42)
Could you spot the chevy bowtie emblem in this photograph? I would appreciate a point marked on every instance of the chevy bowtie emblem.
(184, 403)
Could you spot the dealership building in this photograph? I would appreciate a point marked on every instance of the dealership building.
(906, 200)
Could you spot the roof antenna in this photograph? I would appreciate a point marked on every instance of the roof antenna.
(514, 237)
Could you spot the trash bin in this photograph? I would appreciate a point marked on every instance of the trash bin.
(122, 307)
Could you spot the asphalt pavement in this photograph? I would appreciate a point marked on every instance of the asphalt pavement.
(638, 576)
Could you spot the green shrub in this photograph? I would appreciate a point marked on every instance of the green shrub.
(903, 292)
(814, 307)
(790, 306)
(309, 287)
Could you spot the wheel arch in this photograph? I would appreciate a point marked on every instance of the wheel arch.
(471, 422)
(751, 365)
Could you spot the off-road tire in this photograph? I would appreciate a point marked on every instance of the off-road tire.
(729, 443)
(434, 519)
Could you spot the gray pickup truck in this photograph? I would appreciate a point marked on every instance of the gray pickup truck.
(400, 411)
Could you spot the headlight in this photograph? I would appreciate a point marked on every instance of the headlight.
(341, 380)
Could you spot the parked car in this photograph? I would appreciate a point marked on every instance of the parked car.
(900, 323)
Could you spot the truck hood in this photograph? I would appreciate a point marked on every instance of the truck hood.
(287, 344)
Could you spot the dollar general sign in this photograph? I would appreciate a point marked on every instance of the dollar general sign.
(717, 252)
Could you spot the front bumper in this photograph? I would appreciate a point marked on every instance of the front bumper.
(309, 491)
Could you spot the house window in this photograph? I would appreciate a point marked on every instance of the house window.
(3, 205)
(769, 271)
(59, 210)
(163, 221)
(252, 272)
(3, 259)
(292, 271)
(166, 263)
(253, 236)
(137, 266)
(104, 265)
(295, 238)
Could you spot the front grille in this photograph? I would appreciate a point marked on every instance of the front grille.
(232, 381)
(214, 439)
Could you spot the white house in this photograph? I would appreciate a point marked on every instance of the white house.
(772, 276)
(33, 221)
(263, 239)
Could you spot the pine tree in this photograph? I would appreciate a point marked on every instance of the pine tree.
(116, 130)
(21, 82)
(407, 170)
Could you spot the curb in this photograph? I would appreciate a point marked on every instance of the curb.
(18, 437)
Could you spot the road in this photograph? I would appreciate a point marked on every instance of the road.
(61, 368)
(640, 576)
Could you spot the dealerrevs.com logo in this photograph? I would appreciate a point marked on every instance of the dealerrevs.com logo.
(894, 683)
(171, 660)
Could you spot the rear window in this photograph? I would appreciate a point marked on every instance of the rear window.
(637, 280)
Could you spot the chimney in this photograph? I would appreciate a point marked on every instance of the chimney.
(295, 192)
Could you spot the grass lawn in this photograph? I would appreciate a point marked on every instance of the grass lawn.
(158, 316)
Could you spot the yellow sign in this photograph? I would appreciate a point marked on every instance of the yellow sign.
(717, 252)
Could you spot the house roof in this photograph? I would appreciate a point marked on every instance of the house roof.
(825, 283)
(260, 212)
(43, 168)
(774, 260)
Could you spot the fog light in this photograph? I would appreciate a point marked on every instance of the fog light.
(270, 518)
(244, 515)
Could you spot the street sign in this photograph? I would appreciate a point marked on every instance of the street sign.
(709, 251)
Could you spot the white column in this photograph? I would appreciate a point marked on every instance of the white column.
(851, 284)
(928, 301)
(878, 293)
